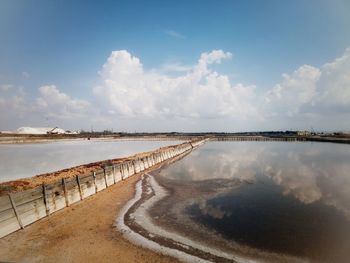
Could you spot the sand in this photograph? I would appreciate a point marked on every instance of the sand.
(83, 232)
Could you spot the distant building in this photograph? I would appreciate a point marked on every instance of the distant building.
(40, 130)
(56, 130)
(304, 133)
(72, 132)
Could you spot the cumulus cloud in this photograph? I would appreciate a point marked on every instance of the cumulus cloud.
(58, 104)
(334, 84)
(14, 105)
(295, 91)
(214, 56)
(311, 90)
(19, 108)
(197, 95)
(130, 91)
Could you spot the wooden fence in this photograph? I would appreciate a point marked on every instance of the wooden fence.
(18, 210)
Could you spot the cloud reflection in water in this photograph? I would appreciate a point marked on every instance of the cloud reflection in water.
(309, 172)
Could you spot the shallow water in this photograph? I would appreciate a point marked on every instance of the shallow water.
(284, 198)
(24, 160)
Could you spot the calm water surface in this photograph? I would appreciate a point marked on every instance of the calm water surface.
(294, 198)
(24, 160)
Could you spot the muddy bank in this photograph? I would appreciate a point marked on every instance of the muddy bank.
(145, 232)
(160, 216)
(171, 213)
(84, 232)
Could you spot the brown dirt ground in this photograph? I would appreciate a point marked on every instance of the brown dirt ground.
(83, 232)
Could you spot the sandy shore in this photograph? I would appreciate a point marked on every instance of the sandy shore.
(83, 232)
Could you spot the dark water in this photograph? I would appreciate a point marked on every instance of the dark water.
(294, 199)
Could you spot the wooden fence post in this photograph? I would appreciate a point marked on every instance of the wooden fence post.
(134, 166)
(121, 168)
(79, 186)
(15, 210)
(65, 191)
(105, 175)
(45, 200)
(140, 164)
(94, 175)
(126, 169)
(114, 174)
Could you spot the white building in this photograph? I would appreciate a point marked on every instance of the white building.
(40, 130)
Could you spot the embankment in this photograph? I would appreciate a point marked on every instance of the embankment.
(53, 192)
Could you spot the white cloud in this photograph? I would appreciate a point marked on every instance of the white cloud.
(214, 56)
(295, 91)
(6, 87)
(334, 84)
(313, 95)
(51, 107)
(25, 74)
(197, 98)
(130, 91)
(307, 95)
(13, 100)
(174, 34)
(14, 106)
(58, 104)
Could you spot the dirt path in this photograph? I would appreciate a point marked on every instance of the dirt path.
(83, 232)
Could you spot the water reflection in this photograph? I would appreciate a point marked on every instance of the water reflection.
(24, 160)
(213, 210)
(307, 171)
(294, 198)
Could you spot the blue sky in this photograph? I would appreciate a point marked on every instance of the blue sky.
(66, 44)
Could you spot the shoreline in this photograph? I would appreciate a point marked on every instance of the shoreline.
(26, 183)
(85, 231)
(80, 233)
(6, 138)
(27, 240)
(140, 240)
(140, 223)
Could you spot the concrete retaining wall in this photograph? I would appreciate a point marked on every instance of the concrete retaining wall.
(18, 210)
(256, 138)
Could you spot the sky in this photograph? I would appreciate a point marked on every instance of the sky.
(175, 65)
